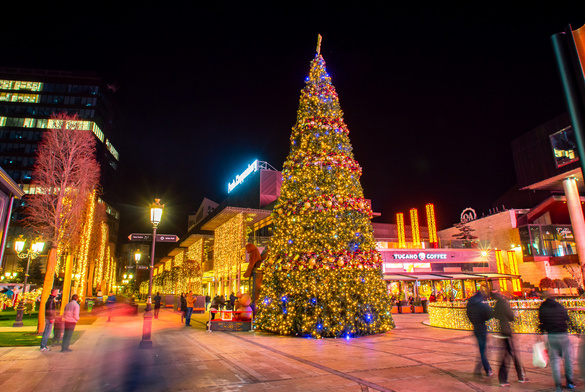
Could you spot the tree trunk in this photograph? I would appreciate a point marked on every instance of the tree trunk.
(66, 282)
(47, 286)
(89, 286)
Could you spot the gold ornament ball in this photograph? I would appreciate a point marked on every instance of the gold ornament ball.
(307, 205)
(340, 262)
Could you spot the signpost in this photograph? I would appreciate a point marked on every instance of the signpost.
(148, 237)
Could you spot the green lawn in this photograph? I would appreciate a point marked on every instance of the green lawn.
(8, 316)
(11, 339)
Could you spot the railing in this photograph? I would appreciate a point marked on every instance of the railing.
(453, 315)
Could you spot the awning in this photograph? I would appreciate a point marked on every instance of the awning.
(409, 276)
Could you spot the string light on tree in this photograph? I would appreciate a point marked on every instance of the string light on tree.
(323, 275)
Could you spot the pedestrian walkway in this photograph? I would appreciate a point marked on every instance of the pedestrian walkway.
(412, 357)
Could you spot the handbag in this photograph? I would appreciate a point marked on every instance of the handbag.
(539, 355)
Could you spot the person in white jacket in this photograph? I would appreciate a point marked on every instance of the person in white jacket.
(70, 318)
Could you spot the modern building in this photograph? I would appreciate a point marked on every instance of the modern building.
(28, 99)
(9, 193)
(538, 238)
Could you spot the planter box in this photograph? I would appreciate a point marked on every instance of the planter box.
(394, 310)
(404, 309)
(418, 309)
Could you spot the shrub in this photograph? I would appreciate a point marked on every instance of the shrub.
(559, 284)
(546, 283)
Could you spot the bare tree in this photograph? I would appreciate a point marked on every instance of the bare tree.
(65, 173)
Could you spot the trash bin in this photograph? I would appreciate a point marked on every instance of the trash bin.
(90, 303)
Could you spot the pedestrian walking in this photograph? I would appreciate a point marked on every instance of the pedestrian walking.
(70, 317)
(183, 306)
(190, 301)
(554, 321)
(157, 299)
(478, 313)
(504, 314)
(232, 299)
(50, 313)
(217, 303)
(110, 305)
(207, 302)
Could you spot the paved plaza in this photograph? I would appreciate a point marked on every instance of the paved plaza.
(412, 357)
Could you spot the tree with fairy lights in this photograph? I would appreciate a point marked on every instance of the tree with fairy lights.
(323, 275)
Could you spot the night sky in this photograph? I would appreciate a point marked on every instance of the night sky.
(432, 95)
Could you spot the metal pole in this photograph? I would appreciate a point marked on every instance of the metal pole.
(20, 308)
(147, 325)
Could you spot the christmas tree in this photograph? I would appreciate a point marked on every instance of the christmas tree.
(323, 275)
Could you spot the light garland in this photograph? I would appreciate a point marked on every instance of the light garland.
(432, 224)
(513, 262)
(501, 269)
(415, 228)
(83, 251)
(228, 247)
(99, 275)
(454, 315)
(401, 232)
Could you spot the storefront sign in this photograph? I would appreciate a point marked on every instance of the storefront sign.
(565, 232)
(420, 256)
(252, 167)
(468, 215)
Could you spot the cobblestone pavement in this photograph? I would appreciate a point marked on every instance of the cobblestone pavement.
(412, 357)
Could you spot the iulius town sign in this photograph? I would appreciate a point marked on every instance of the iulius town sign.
(148, 237)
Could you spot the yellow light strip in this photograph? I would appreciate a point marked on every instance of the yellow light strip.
(431, 223)
(415, 228)
(400, 228)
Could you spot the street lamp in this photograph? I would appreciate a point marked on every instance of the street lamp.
(137, 256)
(156, 210)
(35, 250)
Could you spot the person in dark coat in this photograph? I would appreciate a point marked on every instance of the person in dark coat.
(217, 303)
(183, 308)
(50, 313)
(478, 313)
(233, 299)
(157, 299)
(504, 314)
(554, 321)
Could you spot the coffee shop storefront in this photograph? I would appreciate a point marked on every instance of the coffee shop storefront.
(451, 274)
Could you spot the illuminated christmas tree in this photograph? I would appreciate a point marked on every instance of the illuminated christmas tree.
(323, 275)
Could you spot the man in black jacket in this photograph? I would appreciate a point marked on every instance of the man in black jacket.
(50, 308)
(554, 320)
(504, 314)
(478, 313)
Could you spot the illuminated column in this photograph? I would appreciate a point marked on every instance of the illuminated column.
(576, 215)
(432, 225)
(400, 228)
(415, 228)
(501, 268)
(513, 261)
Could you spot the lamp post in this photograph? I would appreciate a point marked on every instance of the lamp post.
(35, 249)
(156, 210)
(137, 256)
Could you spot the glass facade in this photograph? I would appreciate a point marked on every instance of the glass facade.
(547, 240)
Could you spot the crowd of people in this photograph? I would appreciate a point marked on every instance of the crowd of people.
(554, 322)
